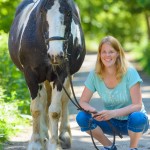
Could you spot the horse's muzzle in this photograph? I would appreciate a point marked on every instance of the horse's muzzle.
(56, 59)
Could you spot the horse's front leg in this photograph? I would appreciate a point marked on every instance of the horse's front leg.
(65, 132)
(40, 138)
(54, 116)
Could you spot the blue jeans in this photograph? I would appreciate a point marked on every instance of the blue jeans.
(137, 122)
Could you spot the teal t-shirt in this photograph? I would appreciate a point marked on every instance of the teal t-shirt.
(117, 97)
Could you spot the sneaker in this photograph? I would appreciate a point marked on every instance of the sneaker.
(112, 148)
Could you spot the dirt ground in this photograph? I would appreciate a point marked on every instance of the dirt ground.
(80, 140)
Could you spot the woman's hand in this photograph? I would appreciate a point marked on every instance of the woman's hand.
(105, 115)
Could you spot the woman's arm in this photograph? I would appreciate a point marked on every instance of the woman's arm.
(136, 105)
(85, 99)
(136, 97)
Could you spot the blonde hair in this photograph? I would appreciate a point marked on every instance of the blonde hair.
(121, 62)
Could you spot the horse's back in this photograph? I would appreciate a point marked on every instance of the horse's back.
(22, 33)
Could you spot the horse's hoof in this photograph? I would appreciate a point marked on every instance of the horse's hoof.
(65, 140)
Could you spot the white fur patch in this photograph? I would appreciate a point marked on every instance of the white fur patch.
(56, 28)
(56, 101)
(75, 31)
(38, 105)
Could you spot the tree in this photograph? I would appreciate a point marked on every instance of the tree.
(7, 11)
(110, 17)
(138, 7)
(142, 7)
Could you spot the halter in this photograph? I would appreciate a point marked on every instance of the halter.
(59, 38)
(55, 38)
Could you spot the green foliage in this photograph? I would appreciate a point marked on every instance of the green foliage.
(7, 11)
(10, 118)
(12, 79)
(14, 96)
(138, 6)
(110, 17)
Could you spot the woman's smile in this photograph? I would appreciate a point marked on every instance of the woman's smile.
(108, 55)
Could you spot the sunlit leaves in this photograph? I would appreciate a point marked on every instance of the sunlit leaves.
(14, 96)
(109, 17)
(7, 11)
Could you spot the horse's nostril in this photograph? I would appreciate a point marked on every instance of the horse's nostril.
(61, 55)
(56, 59)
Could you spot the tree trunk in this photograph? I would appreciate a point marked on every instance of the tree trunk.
(147, 17)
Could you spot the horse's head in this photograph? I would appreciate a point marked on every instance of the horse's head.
(59, 20)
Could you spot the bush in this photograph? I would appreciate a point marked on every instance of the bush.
(10, 118)
(14, 96)
(12, 79)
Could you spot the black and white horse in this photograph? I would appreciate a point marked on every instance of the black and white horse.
(44, 34)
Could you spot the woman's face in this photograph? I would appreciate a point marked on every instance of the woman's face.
(108, 55)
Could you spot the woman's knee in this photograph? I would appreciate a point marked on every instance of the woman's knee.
(137, 118)
(137, 121)
(83, 118)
